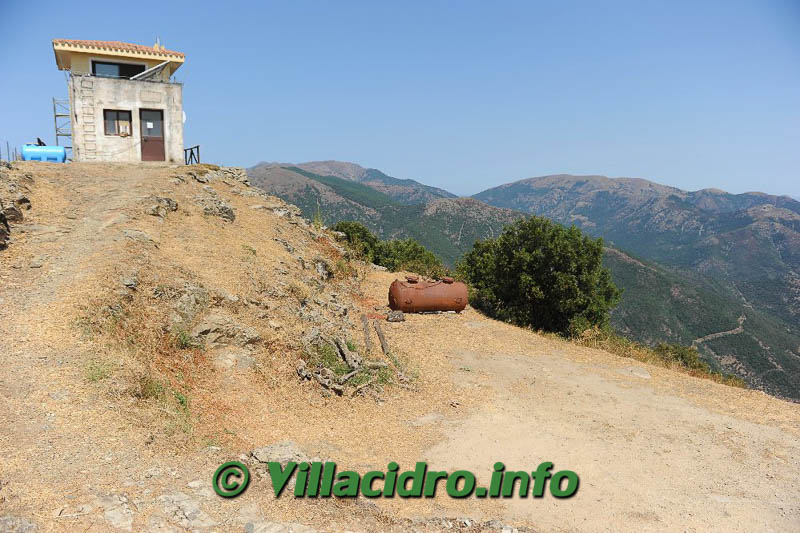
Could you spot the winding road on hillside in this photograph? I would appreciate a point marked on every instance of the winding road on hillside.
(710, 337)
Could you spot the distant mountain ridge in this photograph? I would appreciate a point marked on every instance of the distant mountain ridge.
(405, 191)
(447, 225)
(694, 262)
(747, 239)
(745, 247)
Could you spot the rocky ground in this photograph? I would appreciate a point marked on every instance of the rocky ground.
(156, 322)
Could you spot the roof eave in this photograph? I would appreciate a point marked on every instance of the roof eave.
(155, 54)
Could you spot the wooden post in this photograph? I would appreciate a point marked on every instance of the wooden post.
(381, 337)
(367, 338)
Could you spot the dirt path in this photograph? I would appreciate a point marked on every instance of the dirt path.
(655, 450)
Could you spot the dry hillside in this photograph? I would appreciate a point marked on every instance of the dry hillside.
(151, 324)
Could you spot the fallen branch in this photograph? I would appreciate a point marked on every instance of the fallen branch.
(367, 338)
(325, 378)
(381, 337)
(363, 386)
(352, 359)
(343, 379)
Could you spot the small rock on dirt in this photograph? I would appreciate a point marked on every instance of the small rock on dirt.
(117, 512)
(185, 511)
(281, 452)
(137, 235)
(130, 281)
(192, 300)
(162, 206)
(218, 208)
(396, 316)
(12, 213)
(23, 202)
(16, 524)
(5, 231)
(238, 358)
(201, 178)
(323, 269)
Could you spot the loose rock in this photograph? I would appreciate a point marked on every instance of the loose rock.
(5, 232)
(16, 524)
(162, 206)
(281, 452)
(12, 213)
(219, 330)
(185, 511)
(323, 269)
(213, 206)
(117, 512)
(192, 300)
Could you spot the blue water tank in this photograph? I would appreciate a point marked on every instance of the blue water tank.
(53, 154)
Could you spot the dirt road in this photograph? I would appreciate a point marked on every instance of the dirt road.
(654, 449)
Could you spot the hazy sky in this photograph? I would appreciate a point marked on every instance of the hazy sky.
(462, 95)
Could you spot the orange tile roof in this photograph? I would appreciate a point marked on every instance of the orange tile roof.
(118, 46)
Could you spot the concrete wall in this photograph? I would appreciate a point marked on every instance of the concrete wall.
(90, 95)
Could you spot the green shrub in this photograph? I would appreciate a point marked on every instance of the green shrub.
(318, 221)
(405, 254)
(327, 356)
(184, 340)
(408, 254)
(540, 274)
(150, 388)
(359, 239)
(685, 355)
(98, 371)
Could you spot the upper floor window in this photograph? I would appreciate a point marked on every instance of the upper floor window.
(116, 70)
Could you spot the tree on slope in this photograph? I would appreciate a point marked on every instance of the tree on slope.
(540, 274)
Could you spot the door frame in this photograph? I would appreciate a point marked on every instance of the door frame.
(142, 136)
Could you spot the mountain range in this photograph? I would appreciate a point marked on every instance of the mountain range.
(716, 270)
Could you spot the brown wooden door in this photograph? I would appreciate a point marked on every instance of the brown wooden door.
(152, 125)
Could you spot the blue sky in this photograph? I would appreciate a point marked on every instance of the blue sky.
(462, 95)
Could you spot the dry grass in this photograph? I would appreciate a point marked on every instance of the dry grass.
(618, 345)
(155, 365)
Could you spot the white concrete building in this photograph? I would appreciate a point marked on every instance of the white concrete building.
(123, 105)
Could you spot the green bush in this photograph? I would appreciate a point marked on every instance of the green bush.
(685, 355)
(405, 254)
(540, 274)
(360, 239)
(408, 254)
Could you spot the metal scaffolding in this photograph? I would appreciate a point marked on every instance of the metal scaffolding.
(63, 124)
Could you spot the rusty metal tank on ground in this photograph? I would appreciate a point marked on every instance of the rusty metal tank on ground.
(415, 296)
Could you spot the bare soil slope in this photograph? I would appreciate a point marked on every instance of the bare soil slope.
(113, 418)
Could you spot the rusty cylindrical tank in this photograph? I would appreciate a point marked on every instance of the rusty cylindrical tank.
(415, 296)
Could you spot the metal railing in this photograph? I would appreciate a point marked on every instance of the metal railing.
(191, 156)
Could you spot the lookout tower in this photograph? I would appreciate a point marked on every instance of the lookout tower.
(123, 103)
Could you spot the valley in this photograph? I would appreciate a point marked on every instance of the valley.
(690, 263)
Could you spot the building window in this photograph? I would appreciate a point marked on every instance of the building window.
(116, 70)
(117, 122)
